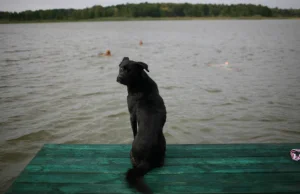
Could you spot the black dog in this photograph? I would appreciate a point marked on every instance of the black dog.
(148, 114)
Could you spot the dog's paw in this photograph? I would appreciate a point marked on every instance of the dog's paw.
(162, 163)
(131, 176)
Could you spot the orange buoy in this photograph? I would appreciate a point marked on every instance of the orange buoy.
(141, 42)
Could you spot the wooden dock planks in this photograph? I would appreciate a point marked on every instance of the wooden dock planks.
(205, 169)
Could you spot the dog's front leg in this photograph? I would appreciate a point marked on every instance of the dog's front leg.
(133, 125)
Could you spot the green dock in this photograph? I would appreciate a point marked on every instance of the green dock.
(200, 168)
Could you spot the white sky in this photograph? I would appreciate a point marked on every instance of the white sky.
(21, 5)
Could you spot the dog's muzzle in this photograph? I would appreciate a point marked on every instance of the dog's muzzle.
(119, 79)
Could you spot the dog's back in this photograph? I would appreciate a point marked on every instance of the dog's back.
(149, 143)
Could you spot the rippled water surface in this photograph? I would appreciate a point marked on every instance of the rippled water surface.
(222, 82)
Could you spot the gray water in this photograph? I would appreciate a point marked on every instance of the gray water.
(222, 82)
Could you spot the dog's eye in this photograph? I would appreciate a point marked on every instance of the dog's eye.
(125, 69)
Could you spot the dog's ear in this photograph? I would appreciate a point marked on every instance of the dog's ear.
(143, 65)
(124, 60)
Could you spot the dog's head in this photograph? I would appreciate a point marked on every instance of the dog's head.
(130, 71)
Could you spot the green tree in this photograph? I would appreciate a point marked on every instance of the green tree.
(151, 10)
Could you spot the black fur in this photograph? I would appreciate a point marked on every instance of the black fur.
(147, 117)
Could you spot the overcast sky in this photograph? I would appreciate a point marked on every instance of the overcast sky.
(21, 5)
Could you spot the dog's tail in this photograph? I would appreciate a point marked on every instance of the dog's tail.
(134, 177)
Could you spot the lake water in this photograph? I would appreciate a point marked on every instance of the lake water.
(222, 82)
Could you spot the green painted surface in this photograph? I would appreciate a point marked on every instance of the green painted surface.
(205, 169)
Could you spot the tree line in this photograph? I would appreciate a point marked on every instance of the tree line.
(151, 10)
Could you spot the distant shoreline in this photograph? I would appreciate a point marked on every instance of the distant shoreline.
(107, 19)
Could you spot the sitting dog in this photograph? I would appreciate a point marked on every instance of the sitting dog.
(147, 117)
